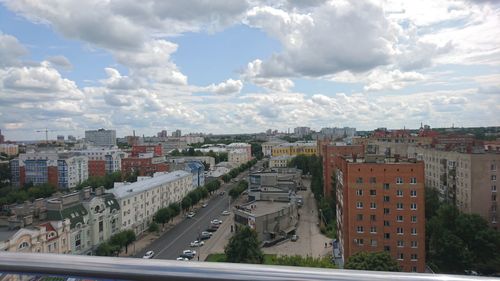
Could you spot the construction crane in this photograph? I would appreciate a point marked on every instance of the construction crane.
(46, 131)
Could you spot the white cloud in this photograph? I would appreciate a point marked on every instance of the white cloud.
(10, 50)
(380, 79)
(60, 61)
(230, 86)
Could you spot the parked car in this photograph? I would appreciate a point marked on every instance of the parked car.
(197, 243)
(206, 233)
(222, 193)
(225, 213)
(189, 252)
(204, 205)
(182, 259)
(149, 255)
(191, 215)
(216, 222)
(212, 228)
(294, 238)
(205, 236)
(187, 256)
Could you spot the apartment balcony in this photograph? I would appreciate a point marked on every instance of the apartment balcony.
(99, 268)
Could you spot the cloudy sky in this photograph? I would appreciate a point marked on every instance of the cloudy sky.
(226, 66)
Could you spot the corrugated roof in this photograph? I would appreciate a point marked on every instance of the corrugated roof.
(134, 188)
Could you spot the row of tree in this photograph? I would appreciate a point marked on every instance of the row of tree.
(10, 195)
(219, 157)
(116, 243)
(106, 181)
(236, 171)
(238, 189)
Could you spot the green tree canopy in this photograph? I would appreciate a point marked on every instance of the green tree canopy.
(163, 215)
(381, 261)
(244, 247)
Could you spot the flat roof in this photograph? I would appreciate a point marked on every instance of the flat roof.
(265, 207)
(135, 188)
(6, 234)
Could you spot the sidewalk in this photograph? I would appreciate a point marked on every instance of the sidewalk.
(219, 239)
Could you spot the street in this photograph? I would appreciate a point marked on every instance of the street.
(171, 244)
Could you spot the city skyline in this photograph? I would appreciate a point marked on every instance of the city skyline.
(246, 66)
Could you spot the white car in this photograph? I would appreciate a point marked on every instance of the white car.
(206, 233)
(216, 221)
(197, 243)
(182, 259)
(189, 252)
(225, 213)
(204, 205)
(148, 255)
(191, 215)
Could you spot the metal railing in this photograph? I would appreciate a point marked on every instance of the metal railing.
(150, 270)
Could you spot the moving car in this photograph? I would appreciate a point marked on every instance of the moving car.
(225, 213)
(148, 255)
(191, 215)
(197, 243)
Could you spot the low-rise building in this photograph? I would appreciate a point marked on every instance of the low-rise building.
(9, 149)
(145, 164)
(271, 220)
(280, 161)
(139, 201)
(205, 160)
(238, 156)
(239, 146)
(294, 149)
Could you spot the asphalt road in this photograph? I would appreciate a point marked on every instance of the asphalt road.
(171, 244)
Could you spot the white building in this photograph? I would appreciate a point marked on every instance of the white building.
(112, 157)
(9, 149)
(241, 146)
(139, 201)
(302, 131)
(267, 147)
(238, 156)
(280, 161)
(101, 137)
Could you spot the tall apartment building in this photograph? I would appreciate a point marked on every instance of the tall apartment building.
(329, 153)
(469, 180)
(103, 161)
(139, 201)
(101, 137)
(64, 170)
(2, 138)
(301, 131)
(177, 133)
(381, 207)
(294, 149)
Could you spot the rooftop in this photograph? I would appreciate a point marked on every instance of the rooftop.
(265, 207)
(379, 159)
(131, 189)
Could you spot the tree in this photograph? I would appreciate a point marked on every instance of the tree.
(186, 203)
(163, 215)
(153, 227)
(431, 202)
(129, 238)
(244, 247)
(107, 249)
(381, 261)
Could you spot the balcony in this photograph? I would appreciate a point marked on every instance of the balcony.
(141, 269)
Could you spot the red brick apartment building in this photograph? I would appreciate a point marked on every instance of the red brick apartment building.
(381, 208)
(157, 150)
(329, 153)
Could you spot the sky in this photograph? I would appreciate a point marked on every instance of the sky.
(226, 66)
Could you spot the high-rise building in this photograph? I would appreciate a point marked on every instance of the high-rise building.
(2, 138)
(302, 131)
(381, 207)
(162, 134)
(103, 161)
(101, 137)
(177, 133)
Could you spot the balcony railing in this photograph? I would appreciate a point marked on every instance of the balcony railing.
(150, 270)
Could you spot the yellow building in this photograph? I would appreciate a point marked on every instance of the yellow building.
(294, 149)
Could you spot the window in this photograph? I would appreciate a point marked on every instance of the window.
(386, 211)
(361, 242)
(101, 226)
(413, 269)
(373, 180)
(23, 245)
(401, 256)
(373, 205)
(359, 205)
(386, 186)
(399, 218)
(399, 206)
(413, 218)
(413, 206)
(413, 180)
(359, 192)
(386, 223)
(386, 198)
(413, 257)
(387, 248)
(494, 188)
(373, 217)
(387, 235)
(359, 180)
(493, 167)
(399, 193)
(399, 231)
(413, 193)
(414, 244)
(493, 177)
(413, 231)
(360, 229)
(401, 243)
(494, 197)
(399, 180)
(373, 229)
(373, 243)
(359, 217)
(373, 192)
